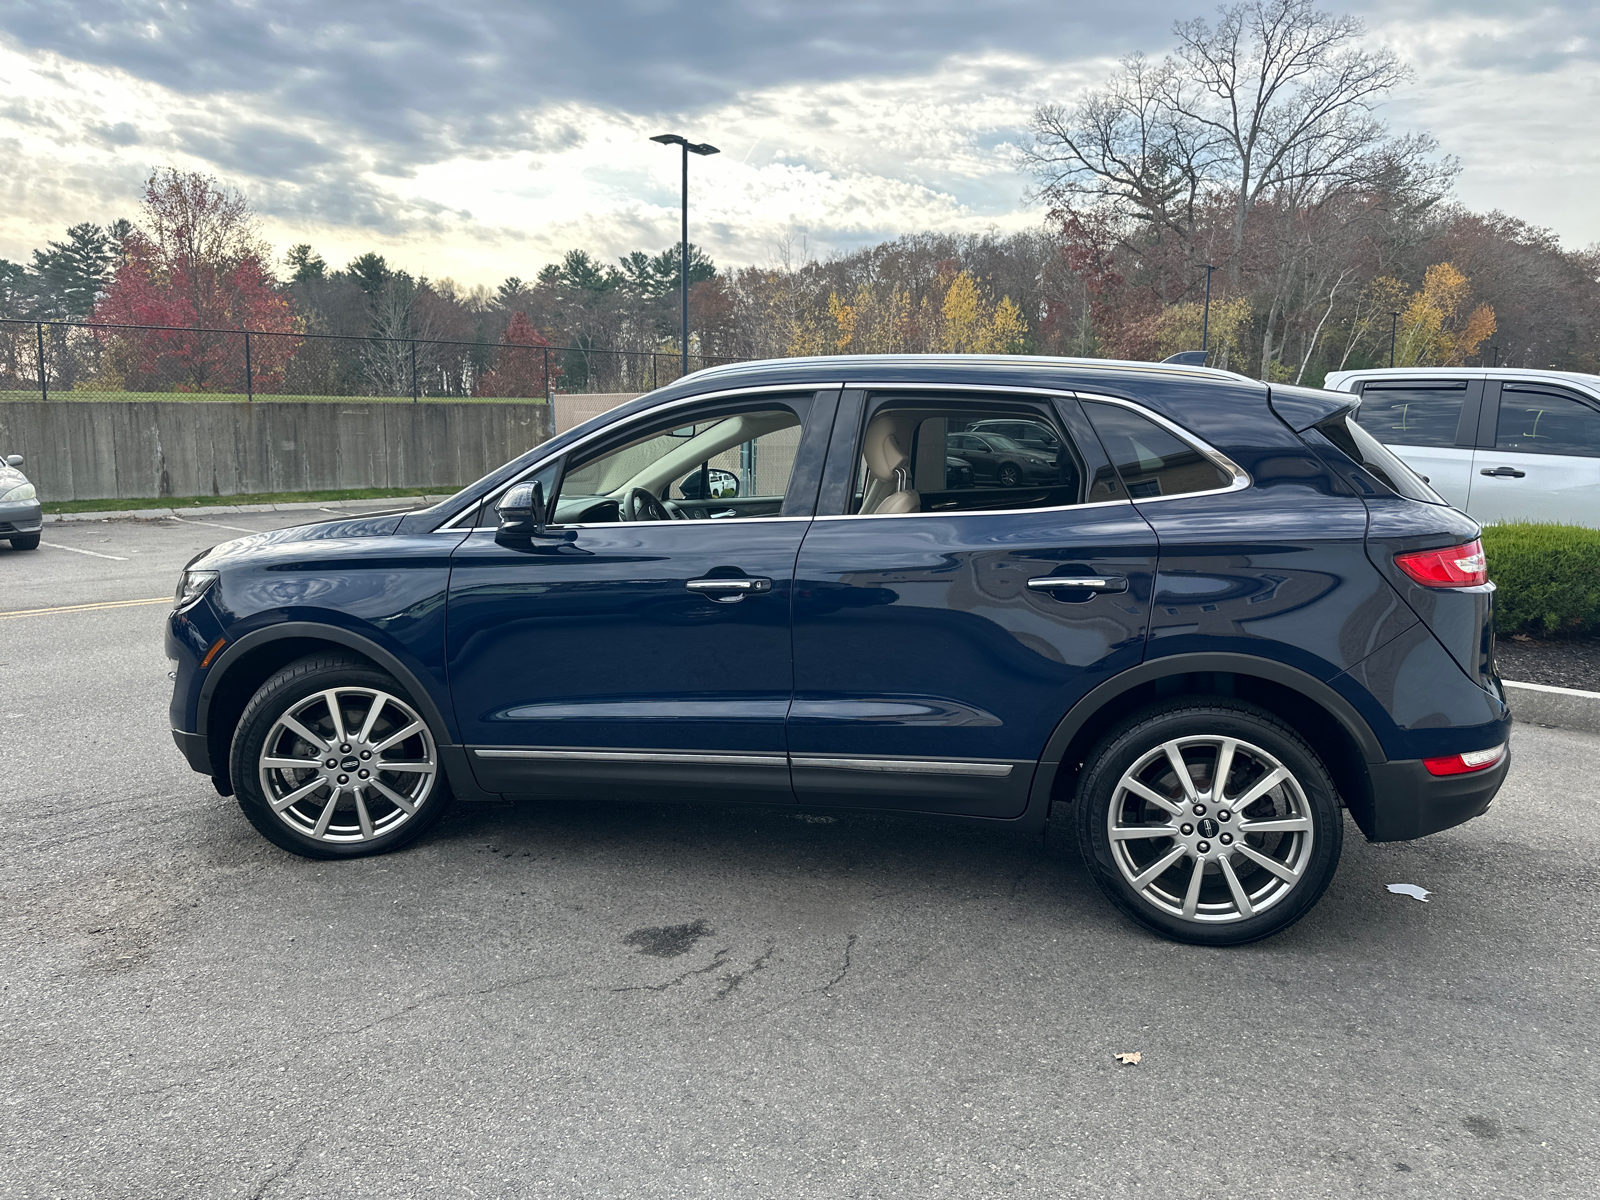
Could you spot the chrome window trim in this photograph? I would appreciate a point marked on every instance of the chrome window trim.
(453, 525)
(1240, 480)
(635, 756)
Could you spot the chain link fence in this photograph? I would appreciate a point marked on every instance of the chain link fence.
(62, 360)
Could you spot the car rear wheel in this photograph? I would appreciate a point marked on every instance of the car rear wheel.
(1211, 823)
(332, 760)
(24, 541)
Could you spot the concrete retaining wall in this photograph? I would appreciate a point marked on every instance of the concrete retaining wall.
(107, 450)
(579, 407)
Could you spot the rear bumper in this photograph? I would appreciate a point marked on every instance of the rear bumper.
(1409, 803)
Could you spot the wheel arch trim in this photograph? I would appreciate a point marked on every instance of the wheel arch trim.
(420, 695)
(1169, 666)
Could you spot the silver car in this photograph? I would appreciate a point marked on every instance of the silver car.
(21, 519)
(1500, 444)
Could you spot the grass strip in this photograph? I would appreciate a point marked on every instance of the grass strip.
(82, 506)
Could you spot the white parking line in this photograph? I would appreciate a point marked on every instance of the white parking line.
(90, 553)
(218, 524)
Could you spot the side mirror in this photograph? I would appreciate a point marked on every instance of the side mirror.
(13, 460)
(712, 483)
(522, 514)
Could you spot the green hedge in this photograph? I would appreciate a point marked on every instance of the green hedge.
(1548, 577)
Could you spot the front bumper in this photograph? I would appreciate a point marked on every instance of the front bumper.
(1408, 802)
(194, 748)
(22, 517)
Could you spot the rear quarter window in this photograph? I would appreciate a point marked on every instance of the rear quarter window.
(1376, 459)
(1151, 460)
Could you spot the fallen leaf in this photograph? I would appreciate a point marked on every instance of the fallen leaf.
(1127, 1059)
(1412, 890)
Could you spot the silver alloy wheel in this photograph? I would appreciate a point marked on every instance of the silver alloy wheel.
(1210, 829)
(348, 764)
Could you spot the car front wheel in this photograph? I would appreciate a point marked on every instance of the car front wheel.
(332, 760)
(1010, 475)
(1210, 823)
(24, 541)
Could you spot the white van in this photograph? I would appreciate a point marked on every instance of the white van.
(1498, 443)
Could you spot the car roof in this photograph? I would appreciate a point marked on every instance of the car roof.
(1342, 381)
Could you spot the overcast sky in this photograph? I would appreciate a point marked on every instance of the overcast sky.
(477, 140)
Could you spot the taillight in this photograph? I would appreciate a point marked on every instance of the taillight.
(1460, 764)
(1452, 567)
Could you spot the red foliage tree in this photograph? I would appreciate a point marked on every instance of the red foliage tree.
(196, 266)
(519, 363)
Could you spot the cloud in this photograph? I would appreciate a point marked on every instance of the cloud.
(480, 140)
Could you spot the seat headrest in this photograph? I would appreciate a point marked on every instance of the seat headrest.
(882, 449)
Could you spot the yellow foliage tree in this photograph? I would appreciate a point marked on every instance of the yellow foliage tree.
(1431, 333)
(870, 323)
(973, 325)
(1181, 326)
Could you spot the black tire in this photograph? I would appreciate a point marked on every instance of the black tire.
(1010, 474)
(24, 541)
(1204, 907)
(294, 686)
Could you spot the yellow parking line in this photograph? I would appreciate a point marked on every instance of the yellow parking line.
(68, 608)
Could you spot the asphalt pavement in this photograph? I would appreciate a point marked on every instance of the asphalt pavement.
(611, 1000)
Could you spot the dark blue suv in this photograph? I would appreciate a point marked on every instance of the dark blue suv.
(1213, 615)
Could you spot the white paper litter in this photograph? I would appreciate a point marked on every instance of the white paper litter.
(1412, 890)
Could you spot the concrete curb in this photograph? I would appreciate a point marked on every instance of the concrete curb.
(1563, 708)
(337, 506)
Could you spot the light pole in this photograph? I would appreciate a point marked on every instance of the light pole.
(1205, 324)
(673, 139)
(1394, 324)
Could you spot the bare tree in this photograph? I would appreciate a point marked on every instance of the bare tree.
(1276, 95)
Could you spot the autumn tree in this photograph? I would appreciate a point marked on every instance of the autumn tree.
(195, 264)
(520, 363)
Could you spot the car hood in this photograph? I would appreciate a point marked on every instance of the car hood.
(366, 526)
(10, 477)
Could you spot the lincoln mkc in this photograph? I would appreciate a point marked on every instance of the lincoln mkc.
(1201, 622)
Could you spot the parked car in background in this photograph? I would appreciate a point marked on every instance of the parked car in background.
(21, 518)
(996, 457)
(1030, 435)
(1501, 444)
(1227, 617)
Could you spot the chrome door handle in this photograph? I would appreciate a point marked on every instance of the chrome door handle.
(729, 591)
(1504, 472)
(1091, 583)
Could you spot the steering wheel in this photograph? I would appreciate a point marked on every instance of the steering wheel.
(640, 505)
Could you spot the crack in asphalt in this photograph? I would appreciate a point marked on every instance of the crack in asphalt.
(849, 945)
(406, 1010)
(731, 982)
(719, 960)
(284, 1172)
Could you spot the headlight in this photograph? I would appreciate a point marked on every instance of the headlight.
(191, 586)
(23, 491)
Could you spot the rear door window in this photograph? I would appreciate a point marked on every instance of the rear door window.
(944, 456)
(1538, 421)
(1414, 414)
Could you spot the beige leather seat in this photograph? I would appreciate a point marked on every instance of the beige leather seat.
(889, 489)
